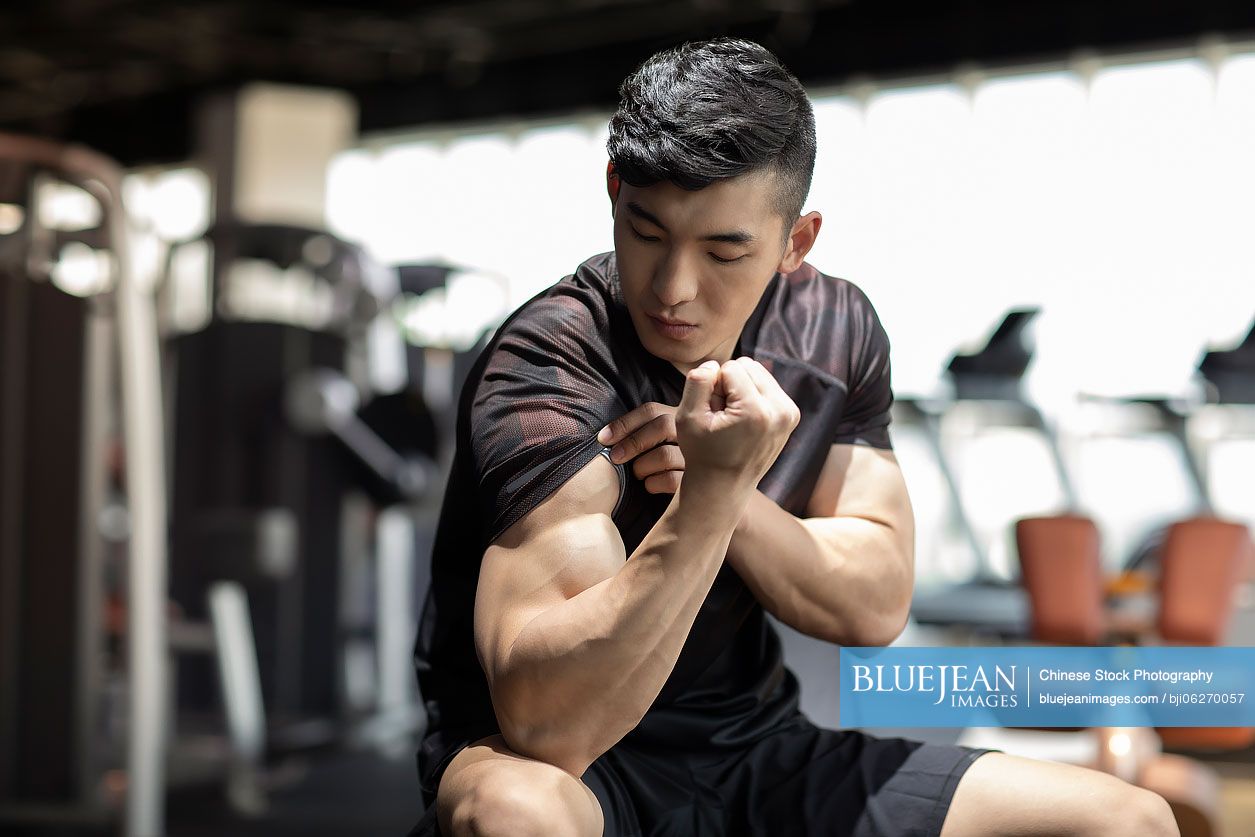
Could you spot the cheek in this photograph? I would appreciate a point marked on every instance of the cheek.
(634, 261)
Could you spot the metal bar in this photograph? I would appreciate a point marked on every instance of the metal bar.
(237, 667)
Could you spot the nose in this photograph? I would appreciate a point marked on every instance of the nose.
(674, 284)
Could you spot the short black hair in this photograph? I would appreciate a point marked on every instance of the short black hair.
(711, 110)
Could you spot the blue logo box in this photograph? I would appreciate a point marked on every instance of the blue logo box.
(1037, 686)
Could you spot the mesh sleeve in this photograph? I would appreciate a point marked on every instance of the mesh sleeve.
(865, 420)
(546, 391)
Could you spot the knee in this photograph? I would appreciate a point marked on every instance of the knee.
(518, 807)
(499, 809)
(1155, 815)
(1140, 813)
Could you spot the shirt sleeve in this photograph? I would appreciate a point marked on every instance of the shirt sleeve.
(865, 420)
(544, 394)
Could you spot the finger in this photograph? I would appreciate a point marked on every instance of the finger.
(699, 386)
(668, 482)
(752, 369)
(766, 382)
(719, 399)
(762, 378)
(656, 432)
(661, 458)
(630, 421)
(770, 387)
(737, 383)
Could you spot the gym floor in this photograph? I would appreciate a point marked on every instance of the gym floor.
(347, 795)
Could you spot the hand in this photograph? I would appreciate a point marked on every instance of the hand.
(733, 420)
(647, 435)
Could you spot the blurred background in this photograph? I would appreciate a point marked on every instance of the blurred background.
(248, 252)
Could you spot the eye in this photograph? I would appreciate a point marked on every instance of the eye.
(722, 260)
(641, 235)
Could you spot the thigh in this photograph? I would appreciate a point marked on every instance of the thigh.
(805, 780)
(1004, 794)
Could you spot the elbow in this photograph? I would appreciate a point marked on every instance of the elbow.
(557, 747)
(880, 628)
(885, 624)
(534, 733)
(871, 628)
(877, 626)
(863, 630)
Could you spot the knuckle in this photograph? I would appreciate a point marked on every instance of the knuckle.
(676, 456)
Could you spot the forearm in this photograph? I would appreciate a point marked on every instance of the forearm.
(582, 674)
(842, 579)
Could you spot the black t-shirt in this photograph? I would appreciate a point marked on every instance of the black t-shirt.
(557, 371)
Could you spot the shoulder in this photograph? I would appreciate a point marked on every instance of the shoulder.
(565, 326)
(552, 359)
(811, 293)
(530, 416)
(573, 310)
(821, 320)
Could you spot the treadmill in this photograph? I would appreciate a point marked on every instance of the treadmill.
(991, 379)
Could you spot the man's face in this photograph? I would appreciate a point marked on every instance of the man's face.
(700, 257)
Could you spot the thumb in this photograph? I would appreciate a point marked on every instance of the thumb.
(699, 386)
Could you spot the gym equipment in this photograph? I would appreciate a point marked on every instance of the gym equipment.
(1226, 380)
(1230, 373)
(77, 370)
(1202, 564)
(988, 381)
(439, 364)
(1061, 568)
(294, 432)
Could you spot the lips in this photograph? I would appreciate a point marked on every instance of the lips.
(672, 329)
(665, 321)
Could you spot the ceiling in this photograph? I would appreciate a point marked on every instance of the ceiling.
(124, 76)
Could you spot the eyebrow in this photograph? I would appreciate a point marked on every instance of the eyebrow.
(731, 237)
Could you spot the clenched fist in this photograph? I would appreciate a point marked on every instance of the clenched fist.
(733, 420)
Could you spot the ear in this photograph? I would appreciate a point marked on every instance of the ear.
(612, 185)
(800, 241)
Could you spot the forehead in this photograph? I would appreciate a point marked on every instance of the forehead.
(744, 202)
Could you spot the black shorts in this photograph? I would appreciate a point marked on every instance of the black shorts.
(798, 780)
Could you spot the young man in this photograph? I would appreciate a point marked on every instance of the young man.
(682, 436)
